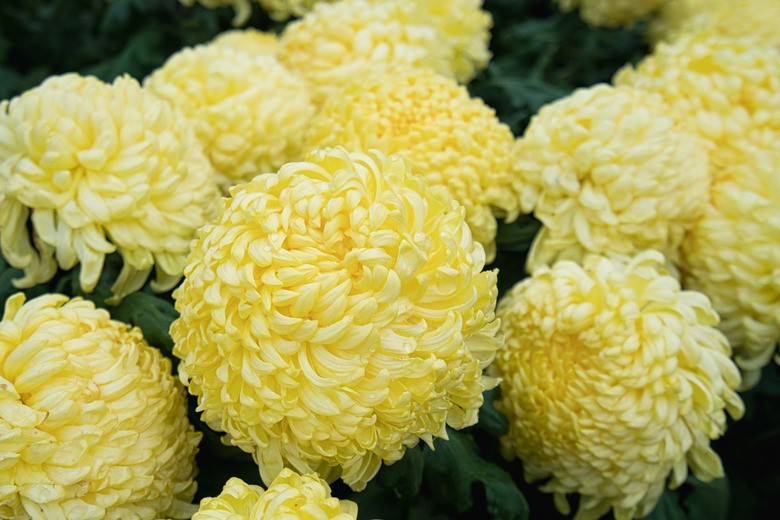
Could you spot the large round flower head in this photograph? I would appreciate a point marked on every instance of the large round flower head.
(92, 423)
(451, 139)
(724, 86)
(733, 253)
(613, 379)
(251, 41)
(609, 170)
(613, 13)
(248, 110)
(336, 44)
(335, 314)
(731, 18)
(290, 496)
(98, 168)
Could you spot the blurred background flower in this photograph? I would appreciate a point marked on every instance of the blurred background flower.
(450, 138)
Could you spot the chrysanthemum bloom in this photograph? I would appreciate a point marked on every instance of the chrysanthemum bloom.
(334, 315)
(610, 170)
(613, 13)
(248, 110)
(97, 168)
(92, 423)
(613, 379)
(336, 44)
(289, 496)
(732, 18)
(451, 139)
(725, 86)
(733, 253)
(249, 40)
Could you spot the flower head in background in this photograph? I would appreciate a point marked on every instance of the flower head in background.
(613, 379)
(335, 314)
(724, 86)
(337, 44)
(98, 168)
(93, 424)
(731, 18)
(247, 110)
(249, 40)
(289, 496)
(613, 13)
(610, 170)
(732, 253)
(450, 138)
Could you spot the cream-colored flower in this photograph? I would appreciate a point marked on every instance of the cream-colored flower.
(335, 314)
(251, 41)
(733, 253)
(290, 496)
(724, 86)
(248, 110)
(733, 18)
(92, 424)
(613, 13)
(97, 168)
(451, 139)
(610, 170)
(613, 379)
(336, 44)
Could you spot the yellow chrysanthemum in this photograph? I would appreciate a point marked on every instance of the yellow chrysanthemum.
(613, 379)
(451, 139)
(613, 13)
(98, 168)
(732, 18)
(334, 315)
(248, 110)
(724, 86)
(92, 424)
(733, 253)
(336, 44)
(249, 40)
(289, 496)
(609, 170)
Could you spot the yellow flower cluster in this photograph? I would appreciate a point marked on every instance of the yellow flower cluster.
(733, 253)
(613, 379)
(724, 86)
(613, 13)
(335, 314)
(290, 496)
(336, 44)
(609, 170)
(98, 168)
(733, 18)
(248, 110)
(451, 139)
(92, 424)
(249, 40)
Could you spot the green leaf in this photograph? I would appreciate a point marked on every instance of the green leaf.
(455, 465)
(152, 314)
(518, 235)
(705, 500)
(405, 476)
(491, 420)
(668, 508)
